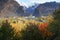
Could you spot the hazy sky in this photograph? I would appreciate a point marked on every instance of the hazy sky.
(31, 2)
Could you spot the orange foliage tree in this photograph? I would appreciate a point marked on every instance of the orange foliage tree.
(44, 30)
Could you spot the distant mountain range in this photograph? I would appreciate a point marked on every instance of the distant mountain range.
(10, 8)
(32, 8)
(45, 8)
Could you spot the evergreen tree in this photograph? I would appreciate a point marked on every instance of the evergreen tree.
(54, 26)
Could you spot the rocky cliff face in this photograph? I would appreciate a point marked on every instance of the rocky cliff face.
(45, 9)
(10, 8)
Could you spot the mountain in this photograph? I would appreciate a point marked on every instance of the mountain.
(31, 8)
(10, 8)
(45, 8)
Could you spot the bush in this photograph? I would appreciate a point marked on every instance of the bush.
(31, 33)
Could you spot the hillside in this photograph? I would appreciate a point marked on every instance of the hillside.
(10, 8)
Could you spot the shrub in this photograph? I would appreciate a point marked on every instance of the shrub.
(31, 33)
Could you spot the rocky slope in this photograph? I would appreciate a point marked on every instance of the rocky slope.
(10, 8)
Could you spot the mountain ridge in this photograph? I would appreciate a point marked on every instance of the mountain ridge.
(45, 8)
(11, 8)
